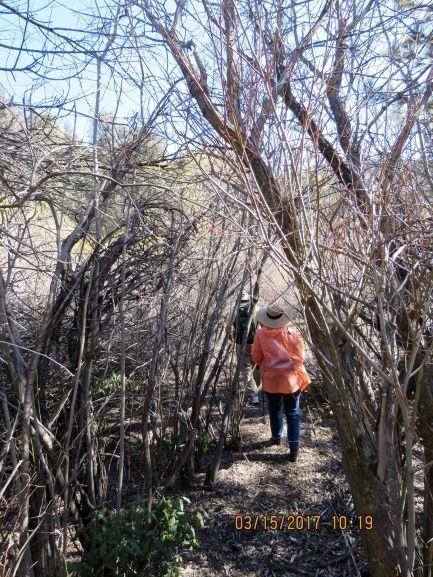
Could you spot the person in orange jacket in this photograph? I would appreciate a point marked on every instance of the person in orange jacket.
(280, 354)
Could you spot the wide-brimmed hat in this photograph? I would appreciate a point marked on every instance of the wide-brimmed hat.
(248, 298)
(273, 316)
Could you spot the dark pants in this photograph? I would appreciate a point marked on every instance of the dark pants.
(279, 403)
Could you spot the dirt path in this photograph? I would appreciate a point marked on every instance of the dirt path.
(259, 481)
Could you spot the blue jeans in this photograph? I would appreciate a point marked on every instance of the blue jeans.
(289, 404)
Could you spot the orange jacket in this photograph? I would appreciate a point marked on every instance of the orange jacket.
(280, 355)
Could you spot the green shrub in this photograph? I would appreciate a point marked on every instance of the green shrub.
(202, 445)
(112, 384)
(133, 542)
(173, 442)
(203, 442)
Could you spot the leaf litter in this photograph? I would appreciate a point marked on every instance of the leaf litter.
(259, 481)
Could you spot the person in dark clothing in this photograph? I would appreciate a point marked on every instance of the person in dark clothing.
(245, 319)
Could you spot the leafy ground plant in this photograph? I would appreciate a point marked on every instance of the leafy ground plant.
(133, 542)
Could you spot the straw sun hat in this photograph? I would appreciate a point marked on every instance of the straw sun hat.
(273, 316)
(248, 298)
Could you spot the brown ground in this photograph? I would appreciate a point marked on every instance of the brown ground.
(259, 481)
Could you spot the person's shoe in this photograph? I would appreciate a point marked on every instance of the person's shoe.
(275, 441)
(255, 401)
(293, 455)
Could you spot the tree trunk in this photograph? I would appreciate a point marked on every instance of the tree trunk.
(425, 426)
(383, 543)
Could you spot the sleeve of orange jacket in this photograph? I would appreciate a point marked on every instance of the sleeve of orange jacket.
(297, 353)
(256, 350)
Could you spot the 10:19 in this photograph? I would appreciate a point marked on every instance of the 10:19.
(344, 522)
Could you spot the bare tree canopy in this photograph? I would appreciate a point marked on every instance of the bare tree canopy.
(157, 161)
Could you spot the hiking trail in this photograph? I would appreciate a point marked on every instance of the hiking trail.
(259, 481)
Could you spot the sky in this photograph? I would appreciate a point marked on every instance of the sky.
(63, 82)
